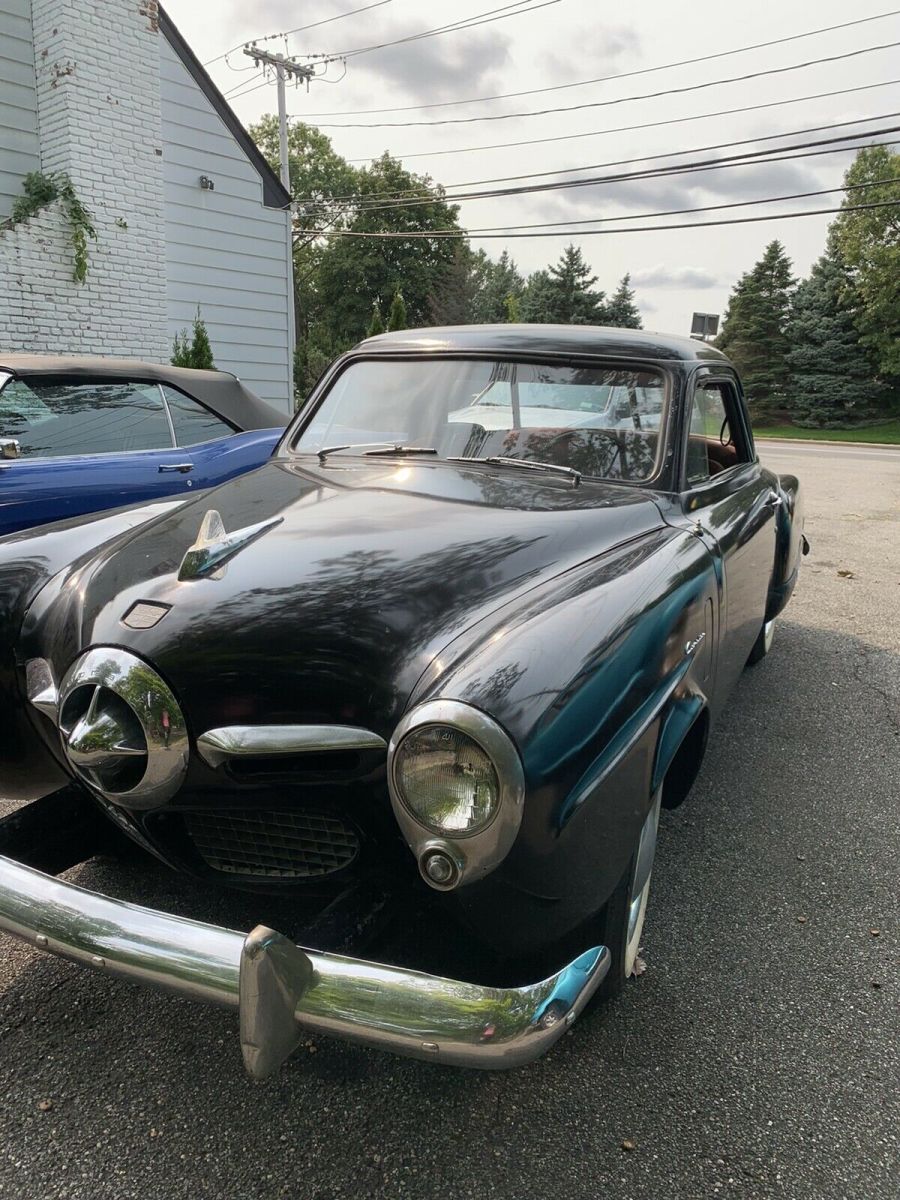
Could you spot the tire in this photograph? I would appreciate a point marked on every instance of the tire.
(621, 922)
(763, 643)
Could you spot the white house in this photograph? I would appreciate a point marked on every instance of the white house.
(186, 210)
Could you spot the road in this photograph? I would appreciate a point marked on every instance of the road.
(755, 1058)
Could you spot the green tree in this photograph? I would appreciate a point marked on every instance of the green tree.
(621, 309)
(869, 242)
(513, 309)
(194, 349)
(376, 325)
(351, 269)
(397, 315)
(538, 299)
(499, 281)
(754, 331)
(452, 301)
(323, 185)
(833, 373)
(564, 294)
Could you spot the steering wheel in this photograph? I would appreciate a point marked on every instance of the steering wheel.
(723, 440)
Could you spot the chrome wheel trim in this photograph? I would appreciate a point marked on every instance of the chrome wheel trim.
(768, 635)
(640, 888)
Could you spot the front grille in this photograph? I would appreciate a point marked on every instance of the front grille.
(273, 845)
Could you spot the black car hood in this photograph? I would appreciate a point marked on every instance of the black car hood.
(335, 612)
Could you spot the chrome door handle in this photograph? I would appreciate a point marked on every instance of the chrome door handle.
(773, 500)
(181, 468)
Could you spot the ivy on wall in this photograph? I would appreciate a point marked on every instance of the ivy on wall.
(41, 190)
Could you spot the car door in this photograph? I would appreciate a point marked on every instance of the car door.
(218, 451)
(733, 508)
(70, 446)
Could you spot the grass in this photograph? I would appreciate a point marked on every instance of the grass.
(887, 433)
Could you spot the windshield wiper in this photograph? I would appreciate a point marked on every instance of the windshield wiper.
(386, 448)
(499, 460)
(387, 452)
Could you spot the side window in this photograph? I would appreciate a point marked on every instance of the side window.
(191, 421)
(713, 446)
(51, 418)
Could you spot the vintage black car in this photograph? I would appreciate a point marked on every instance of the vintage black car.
(464, 633)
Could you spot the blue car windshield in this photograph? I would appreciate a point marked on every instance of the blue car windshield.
(602, 421)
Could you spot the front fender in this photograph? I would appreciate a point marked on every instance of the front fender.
(594, 680)
(29, 562)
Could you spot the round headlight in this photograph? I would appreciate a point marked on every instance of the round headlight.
(446, 780)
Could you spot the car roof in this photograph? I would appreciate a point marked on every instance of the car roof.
(589, 340)
(219, 391)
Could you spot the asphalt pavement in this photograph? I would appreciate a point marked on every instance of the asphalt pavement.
(756, 1057)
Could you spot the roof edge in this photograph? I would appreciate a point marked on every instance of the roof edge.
(275, 194)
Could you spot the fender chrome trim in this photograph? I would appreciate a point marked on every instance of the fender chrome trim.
(262, 741)
(283, 991)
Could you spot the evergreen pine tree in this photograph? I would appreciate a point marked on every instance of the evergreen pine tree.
(201, 350)
(376, 325)
(621, 309)
(564, 294)
(451, 302)
(573, 300)
(499, 280)
(397, 314)
(754, 331)
(833, 374)
(195, 351)
(513, 312)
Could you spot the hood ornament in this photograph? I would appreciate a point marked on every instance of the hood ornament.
(215, 547)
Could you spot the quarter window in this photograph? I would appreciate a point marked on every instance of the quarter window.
(192, 422)
(51, 418)
(713, 446)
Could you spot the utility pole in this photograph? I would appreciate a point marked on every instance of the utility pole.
(285, 68)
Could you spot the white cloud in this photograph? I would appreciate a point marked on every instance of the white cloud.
(660, 276)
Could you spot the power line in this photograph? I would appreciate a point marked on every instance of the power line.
(813, 62)
(812, 212)
(670, 212)
(685, 62)
(485, 18)
(567, 137)
(621, 162)
(749, 158)
(268, 37)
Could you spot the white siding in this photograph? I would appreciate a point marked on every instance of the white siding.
(225, 251)
(19, 152)
(97, 85)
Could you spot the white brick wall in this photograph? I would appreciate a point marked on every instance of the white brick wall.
(97, 68)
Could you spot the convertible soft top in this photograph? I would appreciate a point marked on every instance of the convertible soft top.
(219, 391)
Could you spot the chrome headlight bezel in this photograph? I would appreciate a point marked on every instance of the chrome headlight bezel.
(153, 707)
(472, 854)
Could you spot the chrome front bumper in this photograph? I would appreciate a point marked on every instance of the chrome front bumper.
(283, 991)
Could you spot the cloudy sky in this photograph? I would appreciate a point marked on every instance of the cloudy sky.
(675, 272)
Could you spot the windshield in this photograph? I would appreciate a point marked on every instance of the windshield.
(602, 421)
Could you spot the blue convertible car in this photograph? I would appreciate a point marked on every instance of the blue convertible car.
(80, 434)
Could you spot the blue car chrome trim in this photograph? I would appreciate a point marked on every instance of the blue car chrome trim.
(283, 991)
